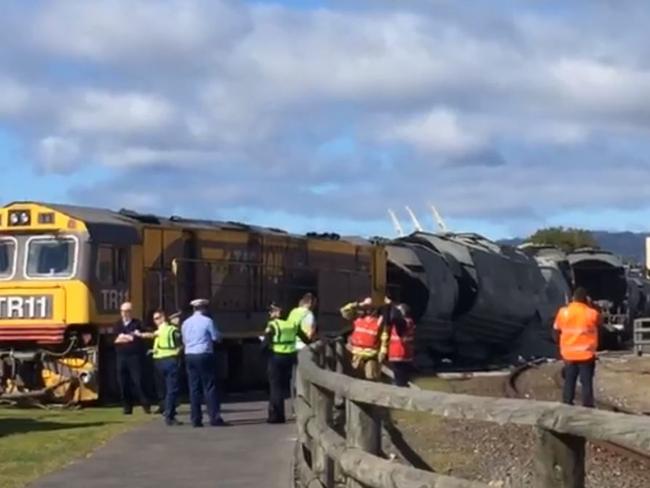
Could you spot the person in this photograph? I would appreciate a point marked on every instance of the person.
(303, 317)
(199, 335)
(280, 337)
(368, 341)
(130, 355)
(166, 355)
(401, 344)
(577, 326)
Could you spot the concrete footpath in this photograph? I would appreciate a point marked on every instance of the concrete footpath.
(250, 453)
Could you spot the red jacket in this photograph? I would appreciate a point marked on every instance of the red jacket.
(366, 333)
(400, 348)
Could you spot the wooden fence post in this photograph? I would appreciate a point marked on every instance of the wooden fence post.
(340, 356)
(339, 401)
(559, 460)
(363, 431)
(322, 402)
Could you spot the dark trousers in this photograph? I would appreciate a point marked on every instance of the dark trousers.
(167, 369)
(280, 369)
(585, 370)
(202, 384)
(129, 376)
(401, 372)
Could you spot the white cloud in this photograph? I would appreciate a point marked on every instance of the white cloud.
(557, 133)
(438, 131)
(120, 30)
(59, 154)
(134, 157)
(127, 113)
(601, 87)
(249, 94)
(13, 97)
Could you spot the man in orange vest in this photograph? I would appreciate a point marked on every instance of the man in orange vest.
(368, 341)
(577, 325)
(401, 343)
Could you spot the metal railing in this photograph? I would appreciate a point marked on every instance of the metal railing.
(641, 331)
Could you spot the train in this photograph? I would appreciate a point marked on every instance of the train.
(620, 291)
(473, 299)
(64, 271)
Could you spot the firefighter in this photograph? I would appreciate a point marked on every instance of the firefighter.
(280, 338)
(368, 341)
(577, 325)
(401, 344)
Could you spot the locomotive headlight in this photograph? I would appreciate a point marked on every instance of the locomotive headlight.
(19, 217)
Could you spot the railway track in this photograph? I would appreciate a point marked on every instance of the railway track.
(511, 390)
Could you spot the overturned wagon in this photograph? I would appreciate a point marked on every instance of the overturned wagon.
(473, 298)
(619, 292)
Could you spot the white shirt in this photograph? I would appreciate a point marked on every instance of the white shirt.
(307, 326)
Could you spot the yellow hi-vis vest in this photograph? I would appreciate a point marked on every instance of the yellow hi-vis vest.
(165, 344)
(284, 336)
(296, 318)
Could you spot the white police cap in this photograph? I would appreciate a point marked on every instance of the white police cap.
(199, 302)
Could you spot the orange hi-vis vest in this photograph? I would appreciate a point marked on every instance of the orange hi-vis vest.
(400, 348)
(365, 333)
(578, 326)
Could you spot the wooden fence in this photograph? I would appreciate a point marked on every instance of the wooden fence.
(329, 454)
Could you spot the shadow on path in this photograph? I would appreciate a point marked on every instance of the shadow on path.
(23, 425)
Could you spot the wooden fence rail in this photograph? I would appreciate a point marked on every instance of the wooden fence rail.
(330, 455)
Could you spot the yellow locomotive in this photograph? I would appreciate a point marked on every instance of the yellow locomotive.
(64, 270)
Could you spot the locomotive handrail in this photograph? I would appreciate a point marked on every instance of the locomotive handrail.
(328, 458)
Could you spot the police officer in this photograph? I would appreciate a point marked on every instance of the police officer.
(130, 358)
(280, 337)
(166, 352)
(199, 335)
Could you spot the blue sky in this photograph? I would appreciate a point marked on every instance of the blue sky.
(315, 115)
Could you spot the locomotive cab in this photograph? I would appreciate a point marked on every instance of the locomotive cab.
(64, 271)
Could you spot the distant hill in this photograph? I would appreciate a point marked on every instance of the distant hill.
(629, 245)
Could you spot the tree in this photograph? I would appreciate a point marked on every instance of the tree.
(566, 238)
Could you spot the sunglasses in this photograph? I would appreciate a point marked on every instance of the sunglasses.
(157, 317)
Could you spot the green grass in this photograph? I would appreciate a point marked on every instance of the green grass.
(35, 442)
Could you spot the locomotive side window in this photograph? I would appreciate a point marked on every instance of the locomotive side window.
(112, 266)
(7, 258)
(50, 257)
(104, 270)
(121, 266)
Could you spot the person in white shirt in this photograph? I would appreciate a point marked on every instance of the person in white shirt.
(303, 316)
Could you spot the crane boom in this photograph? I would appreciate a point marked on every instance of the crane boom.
(396, 224)
(414, 219)
(438, 219)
